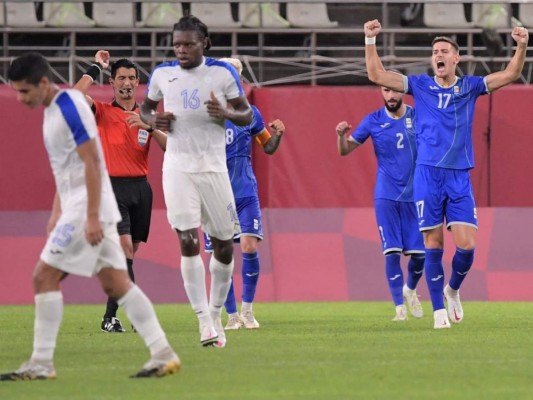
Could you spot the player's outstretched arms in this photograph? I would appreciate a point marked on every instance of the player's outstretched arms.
(513, 70)
(101, 59)
(374, 67)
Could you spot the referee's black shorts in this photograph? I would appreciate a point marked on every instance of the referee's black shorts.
(134, 198)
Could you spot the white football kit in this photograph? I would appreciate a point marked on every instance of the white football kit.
(195, 176)
(68, 123)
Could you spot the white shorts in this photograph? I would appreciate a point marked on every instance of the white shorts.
(67, 249)
(201, 199)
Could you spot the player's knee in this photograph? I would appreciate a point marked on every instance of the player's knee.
(223, 251)
(189, 243)
(249, 246)
(46, 278)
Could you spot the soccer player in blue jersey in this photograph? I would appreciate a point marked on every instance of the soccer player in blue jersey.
(442, 188)
(238, 155)
(392, 132)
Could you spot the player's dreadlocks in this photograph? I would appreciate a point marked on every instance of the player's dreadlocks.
(192, 23)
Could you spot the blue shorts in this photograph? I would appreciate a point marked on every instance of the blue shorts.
(249, 213)
(442, 193)
(398, 227)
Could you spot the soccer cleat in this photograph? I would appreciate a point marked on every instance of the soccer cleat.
(159, 367)
(455, 309)
(221, 342)
(234, 322)
(247, 317)
(411, 299)
(29, 371)
(208, 335)
(112, 325)
(401, 313)
(441, 319)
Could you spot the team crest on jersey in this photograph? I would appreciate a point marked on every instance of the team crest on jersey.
(142, 137)
(408, 123)
(456, 89)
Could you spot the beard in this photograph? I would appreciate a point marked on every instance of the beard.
(395, 107)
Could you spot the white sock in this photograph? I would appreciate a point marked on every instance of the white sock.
(193, 274)
(246, 306)
(141, 314)
(48, 316)
(220, 284)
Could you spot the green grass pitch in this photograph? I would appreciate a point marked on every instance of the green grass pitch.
(324, 351)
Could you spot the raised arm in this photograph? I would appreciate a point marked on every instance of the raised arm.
(345, 146)
(278, 130)
(101, 59)
(513, 70)
(374, 67)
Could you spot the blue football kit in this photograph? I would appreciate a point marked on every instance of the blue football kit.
(395, 149)
(443, 120)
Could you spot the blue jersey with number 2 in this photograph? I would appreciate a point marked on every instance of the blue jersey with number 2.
(394, 145)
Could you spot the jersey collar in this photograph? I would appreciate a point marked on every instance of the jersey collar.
(115, 104)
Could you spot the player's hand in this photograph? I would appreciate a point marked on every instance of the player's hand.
(372, 28)
(102, 57)
(133, 119)
(93, 231)
(343, 128)
(520, 35)
(163, 121)
(214, 108)
(52, 222)
(277, 126)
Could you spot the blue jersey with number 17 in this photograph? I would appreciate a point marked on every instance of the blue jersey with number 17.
(395, 148)
(239, 155)
(444, 118)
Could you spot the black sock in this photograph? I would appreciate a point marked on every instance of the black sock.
(112, 305)
(129, 261)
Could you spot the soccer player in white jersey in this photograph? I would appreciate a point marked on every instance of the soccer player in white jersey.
(196, 91)
(393, 135)
(83, 238)
(442, 188)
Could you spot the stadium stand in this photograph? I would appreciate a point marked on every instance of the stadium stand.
(115, 15)
(311, 52)
(309, 15)
(490, 15)
(19, 15)
(214, 15)
(161, 14)
(265, 15)
(445, 15)
(525, 12)
(72, 15)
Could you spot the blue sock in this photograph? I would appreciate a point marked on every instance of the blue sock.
(230, 304)
(394, 273)
(415, 268)
(435, 277)
(461, 263)
(250, 276)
